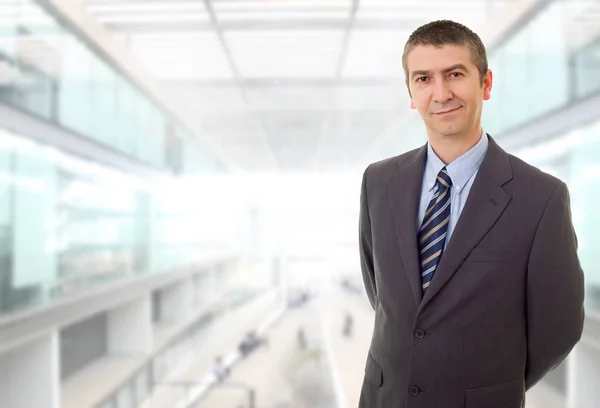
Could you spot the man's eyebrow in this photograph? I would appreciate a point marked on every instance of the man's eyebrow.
(455, 67)
(446, 70)
(419, 73)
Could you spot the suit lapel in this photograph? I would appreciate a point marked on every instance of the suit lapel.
(486, 202)
(404, 193)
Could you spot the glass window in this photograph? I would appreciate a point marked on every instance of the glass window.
(144, 136)
(160, 142)
(102, 102)
(491, 121)
(142, 386)
(49, 71)
(125, 398)
(37, 54)
(34, 219)
(573, 157)
(531, 71)
(65, 224)
(9, 69)
(586, 61)
(8, 27)
(152, 146)
(126, 104)
(549, 62)
(515, 86)
(159, 369)
(6, 230)
(584, 174)
(75, 87)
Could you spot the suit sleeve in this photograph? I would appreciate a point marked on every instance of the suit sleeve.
(555, 290)
(366, 245)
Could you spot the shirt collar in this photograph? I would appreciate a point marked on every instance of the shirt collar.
(461, 169)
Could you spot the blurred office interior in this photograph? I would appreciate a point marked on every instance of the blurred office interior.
(179, 188)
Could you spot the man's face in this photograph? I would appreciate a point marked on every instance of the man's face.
(445, 88)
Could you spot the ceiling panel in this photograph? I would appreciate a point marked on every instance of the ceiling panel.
(156, 18)
(375, 54)
(181, 56)
(384, 97)
(123, 7)
(205, 100)
(285, 54)
(285, 15)
(281, 5)
(293, 137)
(242, 135)
(290, 98)
(348, 135)
(287, 109)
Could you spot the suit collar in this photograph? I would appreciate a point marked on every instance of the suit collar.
(404, 194)
(486, 202)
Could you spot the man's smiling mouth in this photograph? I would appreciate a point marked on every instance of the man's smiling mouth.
(447, 111)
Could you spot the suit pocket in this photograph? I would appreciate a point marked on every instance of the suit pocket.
(373, 371)
(490, 255)
(505, 395)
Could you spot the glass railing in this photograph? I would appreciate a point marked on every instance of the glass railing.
(551, 61)
(47, 70)
(68, 225)
(586, 68)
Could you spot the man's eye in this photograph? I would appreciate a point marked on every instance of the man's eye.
(455, 74)
(421, 79)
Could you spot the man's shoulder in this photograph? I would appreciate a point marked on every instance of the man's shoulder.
(533, 179)
(523, 169)
(386, 166)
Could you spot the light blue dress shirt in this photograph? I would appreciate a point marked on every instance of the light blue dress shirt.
(462, 172)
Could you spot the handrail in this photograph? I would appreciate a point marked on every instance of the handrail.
(189, 384)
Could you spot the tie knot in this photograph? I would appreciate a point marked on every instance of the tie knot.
(443, 179)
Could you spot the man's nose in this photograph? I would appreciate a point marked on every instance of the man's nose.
(442, 91)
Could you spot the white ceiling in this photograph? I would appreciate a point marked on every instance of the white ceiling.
(285, 84)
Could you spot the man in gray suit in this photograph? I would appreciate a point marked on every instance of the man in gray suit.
(468, 254)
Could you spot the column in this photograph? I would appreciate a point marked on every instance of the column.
(130, 327)
(584, 376)
(29, 375)
(177, 302)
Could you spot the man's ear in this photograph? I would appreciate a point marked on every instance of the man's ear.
(487, 85)
(412, 104)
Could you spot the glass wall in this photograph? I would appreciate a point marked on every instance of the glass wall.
(68, 224)
(47, 70)
(574, 158)
(549, 62)
(586, 66)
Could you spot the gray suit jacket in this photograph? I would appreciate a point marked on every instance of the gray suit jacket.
(505, 305)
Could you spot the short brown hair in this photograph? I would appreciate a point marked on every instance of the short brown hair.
(447, 32)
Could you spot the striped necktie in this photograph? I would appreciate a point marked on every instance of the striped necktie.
(432, 234)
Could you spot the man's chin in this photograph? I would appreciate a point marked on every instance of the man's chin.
(448, 132)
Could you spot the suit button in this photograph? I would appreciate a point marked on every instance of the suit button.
(414, 391)
(419, 334)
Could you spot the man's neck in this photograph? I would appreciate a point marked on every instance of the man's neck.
(450, 148)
